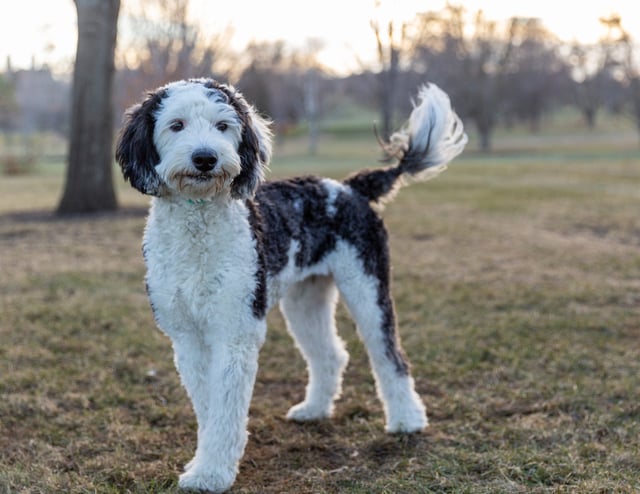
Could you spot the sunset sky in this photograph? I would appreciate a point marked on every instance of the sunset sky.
(46, 30)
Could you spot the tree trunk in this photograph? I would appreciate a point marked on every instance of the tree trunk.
(389, 58)
(485, 141)
(311, 108)
(589, 113)
(89, 181)
(634, 86)
(485, 124)
(389, 79)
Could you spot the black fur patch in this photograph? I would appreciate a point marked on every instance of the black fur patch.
(374, 184)
(297, 209)
(135, 150)
(260, 293)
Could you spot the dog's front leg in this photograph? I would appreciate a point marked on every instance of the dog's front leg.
(222, 384)
(192, 357)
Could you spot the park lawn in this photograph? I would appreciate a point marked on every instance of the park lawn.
(517, 286)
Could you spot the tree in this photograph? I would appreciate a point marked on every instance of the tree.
(588, 63)
(311, 107)
(389, 50)
(262, 75)
(8, 105)
(89, 183)
(623, 61)
(470, 63)
(535, 73)
(163, 44)
(311, 82)
(276, 80)
(492, 70)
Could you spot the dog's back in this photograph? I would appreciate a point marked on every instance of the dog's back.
(318, 213)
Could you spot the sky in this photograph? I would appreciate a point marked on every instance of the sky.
(45, 30)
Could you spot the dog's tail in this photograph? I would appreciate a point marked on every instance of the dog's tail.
(430, 139)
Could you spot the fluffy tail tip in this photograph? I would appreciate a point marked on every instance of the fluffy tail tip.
(432, 137)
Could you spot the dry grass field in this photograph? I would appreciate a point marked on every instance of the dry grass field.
(517, 284)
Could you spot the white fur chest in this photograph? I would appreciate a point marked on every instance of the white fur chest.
(201, 266)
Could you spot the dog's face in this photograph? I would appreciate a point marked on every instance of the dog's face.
(196, 139)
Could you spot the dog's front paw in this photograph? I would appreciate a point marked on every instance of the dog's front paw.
(201, 479)
(407, 421)
(305, 412)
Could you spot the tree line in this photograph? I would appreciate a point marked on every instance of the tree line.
(496, 72)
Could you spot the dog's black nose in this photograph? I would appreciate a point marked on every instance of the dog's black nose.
(204, 159)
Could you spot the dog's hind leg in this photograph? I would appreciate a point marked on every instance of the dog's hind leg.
(369, 302)
(309, 309)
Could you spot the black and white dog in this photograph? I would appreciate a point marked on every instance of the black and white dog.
(222, 247)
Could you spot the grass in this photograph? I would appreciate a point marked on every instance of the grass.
(517, 284)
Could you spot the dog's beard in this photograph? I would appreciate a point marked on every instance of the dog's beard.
(191, 183)
(200, 185)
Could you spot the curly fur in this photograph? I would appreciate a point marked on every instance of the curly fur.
(221, 248)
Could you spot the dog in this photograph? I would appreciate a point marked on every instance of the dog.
(222, 247)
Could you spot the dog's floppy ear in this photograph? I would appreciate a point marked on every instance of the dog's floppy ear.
(254, 149)
(255, 155)
(135, 150)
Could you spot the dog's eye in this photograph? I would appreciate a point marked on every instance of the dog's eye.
(176, 125)
(222, 126)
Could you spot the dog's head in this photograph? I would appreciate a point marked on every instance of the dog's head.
(195, 138)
